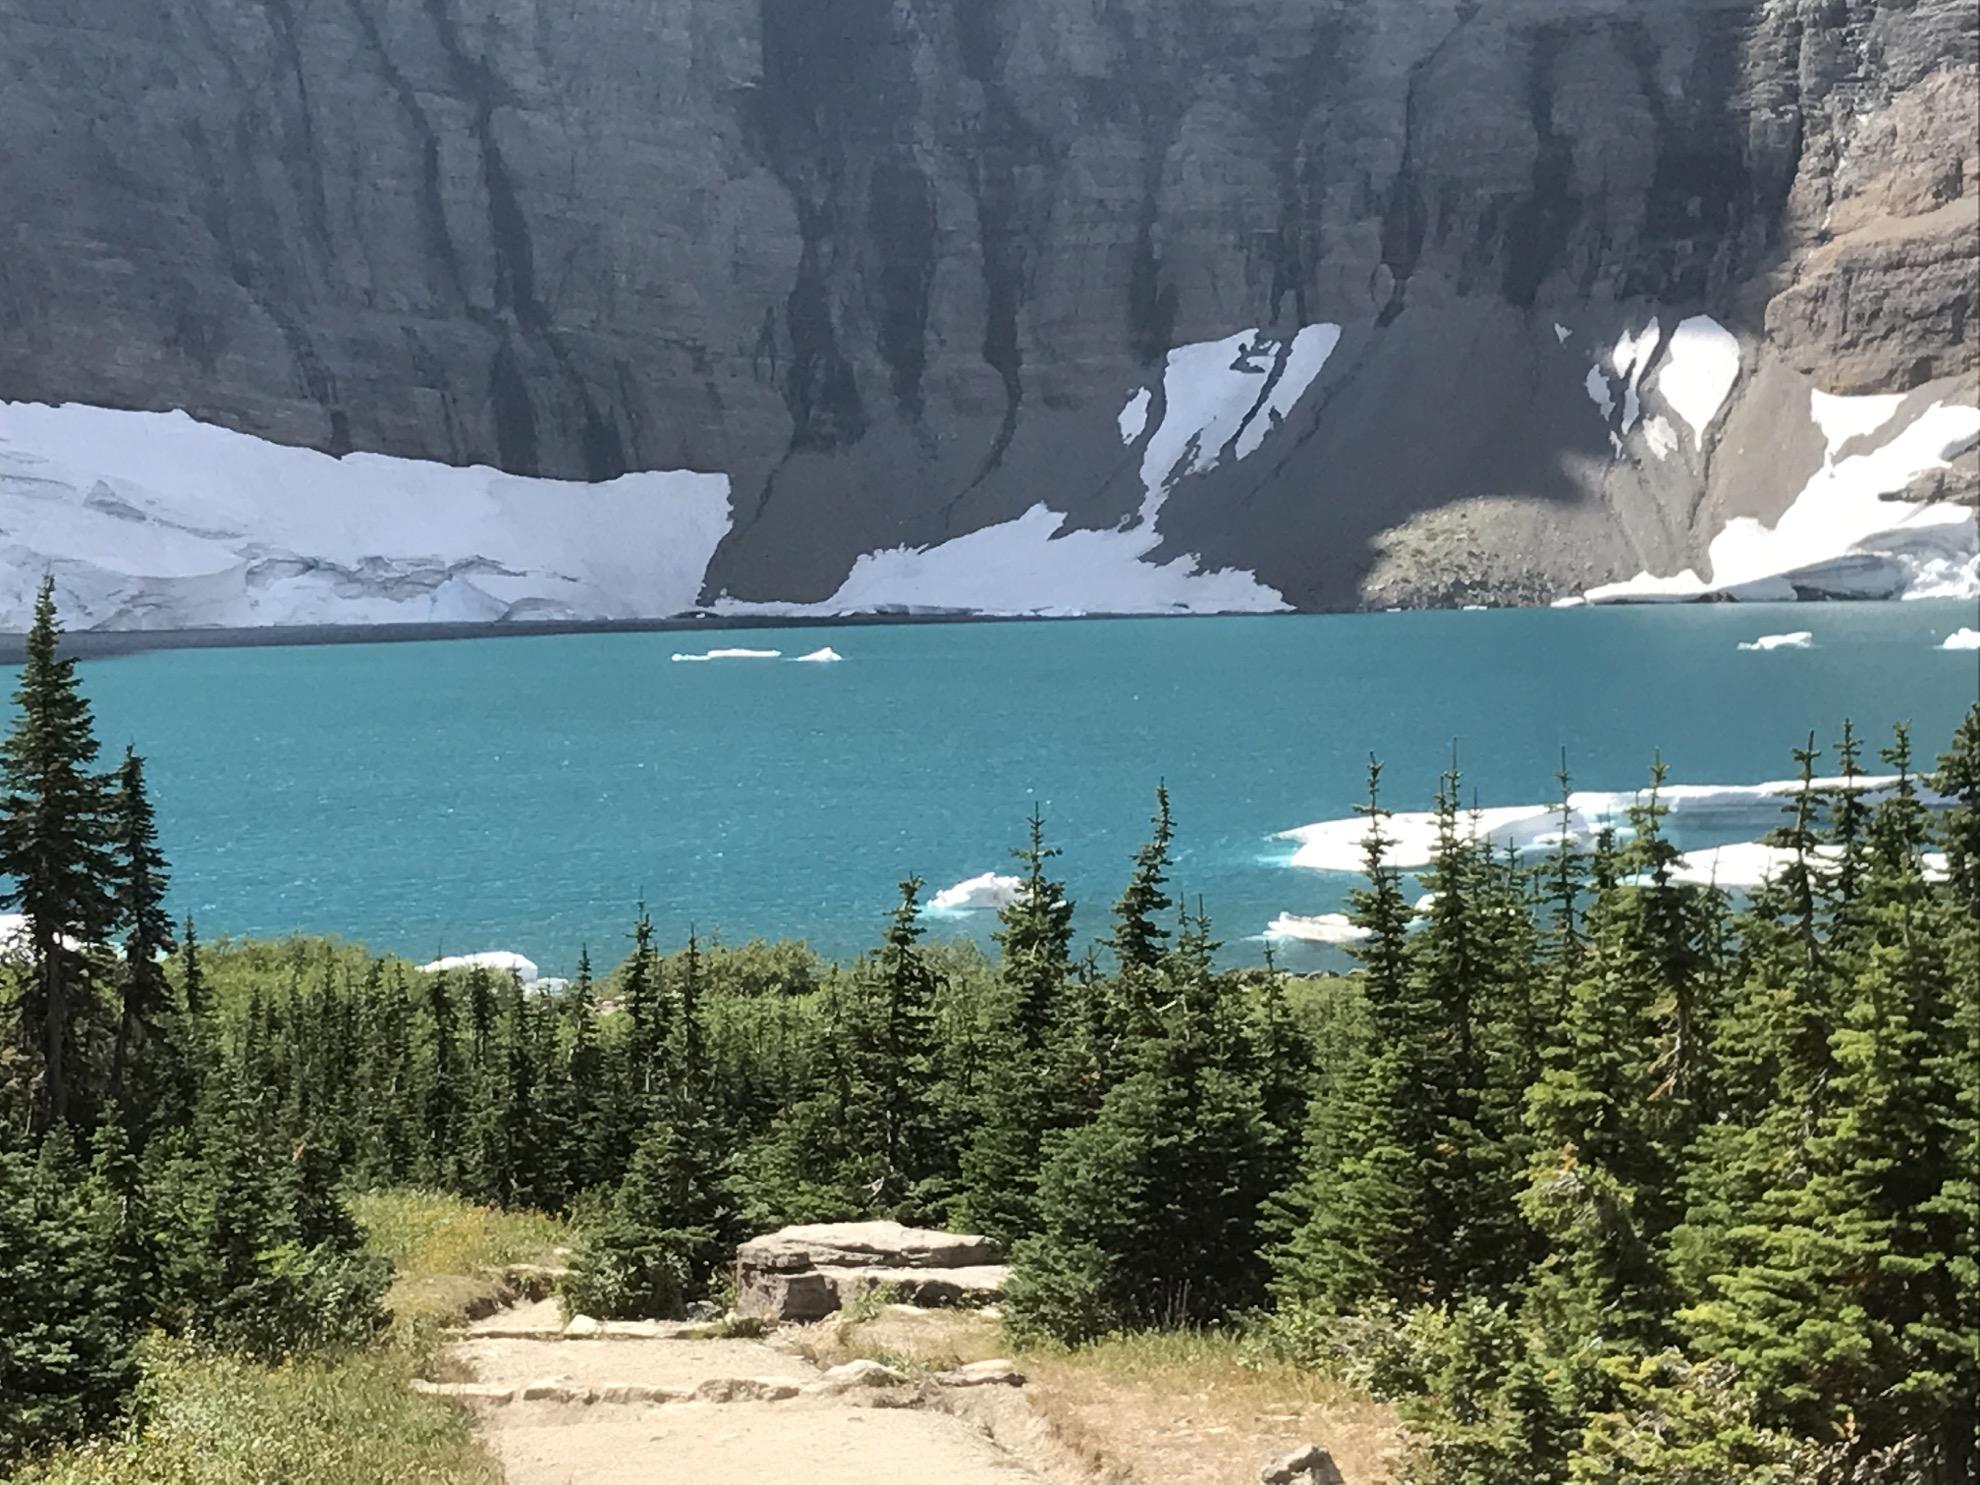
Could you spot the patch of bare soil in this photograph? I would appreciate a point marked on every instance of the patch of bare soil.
(1131, 1413)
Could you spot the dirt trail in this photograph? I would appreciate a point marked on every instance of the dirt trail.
(646, 1405)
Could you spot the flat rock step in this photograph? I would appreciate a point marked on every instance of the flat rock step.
(544, 1320)
(715, 1390)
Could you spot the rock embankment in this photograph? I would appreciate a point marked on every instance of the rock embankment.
(809, 1272)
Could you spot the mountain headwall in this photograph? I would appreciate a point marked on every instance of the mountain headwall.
(1318, 302)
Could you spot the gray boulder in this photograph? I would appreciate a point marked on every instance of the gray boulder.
(805, 1273)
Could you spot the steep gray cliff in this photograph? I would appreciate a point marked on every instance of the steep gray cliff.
(896, 266)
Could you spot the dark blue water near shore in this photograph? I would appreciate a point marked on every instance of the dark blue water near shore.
(521, 793)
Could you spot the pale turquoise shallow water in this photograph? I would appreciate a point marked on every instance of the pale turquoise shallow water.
(521, 793)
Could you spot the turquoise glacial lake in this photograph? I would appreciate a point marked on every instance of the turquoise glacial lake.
(522, 793)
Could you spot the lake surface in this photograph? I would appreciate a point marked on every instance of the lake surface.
(522, 793)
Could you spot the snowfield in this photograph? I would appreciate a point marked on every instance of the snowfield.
(1843, 536)
(1217, 397)
(157, 521)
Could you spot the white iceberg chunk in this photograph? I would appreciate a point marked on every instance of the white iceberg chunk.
(988, 891)
(501, 961)
(1337, 846)
(1701, 364)
(731, 654)
(17, 938)
(826, 656)
(1745, 865)
(1800, 639)
(1962, 639)
(1323, 928)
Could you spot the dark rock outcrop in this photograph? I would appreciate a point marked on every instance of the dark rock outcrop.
(894, 266)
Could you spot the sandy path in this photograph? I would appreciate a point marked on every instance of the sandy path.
(569, 1435)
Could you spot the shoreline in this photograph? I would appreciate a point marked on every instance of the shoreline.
(96, 644)
(99, 644)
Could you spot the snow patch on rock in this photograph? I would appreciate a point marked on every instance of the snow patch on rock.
(1215, 391)
(1134, 417)
(1597, 387)
(1843, 418)
(1843, 536)
(159, 521)
(1701, 364)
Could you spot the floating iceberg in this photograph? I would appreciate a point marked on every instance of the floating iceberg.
(728, 655)
(826, 656)
(1722, 809)
(1324, 928)
(501, 961)
(988, 891)
(1801, 639)
(1962, 639)
(1744, 865)
(17, 940)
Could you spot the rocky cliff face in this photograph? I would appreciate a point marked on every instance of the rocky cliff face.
(906, 270)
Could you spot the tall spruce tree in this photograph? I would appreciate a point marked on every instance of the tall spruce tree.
(1023, 1096)
(1379, 1219)
(145, 1025)
(1138, 939)
(894, 1070)
(56, 847)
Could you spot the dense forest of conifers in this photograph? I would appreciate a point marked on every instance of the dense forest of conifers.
(1604, 1177)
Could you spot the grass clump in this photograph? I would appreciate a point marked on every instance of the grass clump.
(218, 1420)
(448, 1254)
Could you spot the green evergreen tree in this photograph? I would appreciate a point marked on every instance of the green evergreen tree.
(581, 1092)
(1842, 1318)
(444, 1096)
(1381, 1219)
(1026, 1092)
(56, 848)
(644, 998)
(893, 1065)
(145, 1024)
(1150, 1215)
(66, 1364)
(1138, 939)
